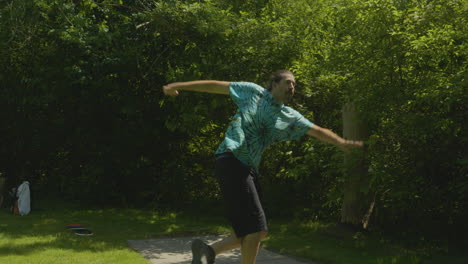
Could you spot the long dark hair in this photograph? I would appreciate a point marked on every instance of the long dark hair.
(277, 77)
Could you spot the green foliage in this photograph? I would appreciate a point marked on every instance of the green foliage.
(84, 116)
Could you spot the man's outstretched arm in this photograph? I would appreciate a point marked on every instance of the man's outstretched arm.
(328, 136)
(209, 86)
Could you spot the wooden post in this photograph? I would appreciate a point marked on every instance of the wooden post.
(357, 206)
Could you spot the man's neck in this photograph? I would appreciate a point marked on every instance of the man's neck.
(277, 100)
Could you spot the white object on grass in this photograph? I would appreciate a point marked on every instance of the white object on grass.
(24, 199)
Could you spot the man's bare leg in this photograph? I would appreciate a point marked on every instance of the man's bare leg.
(228, 243)
(250, 245)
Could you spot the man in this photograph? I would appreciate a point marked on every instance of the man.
(261, 120)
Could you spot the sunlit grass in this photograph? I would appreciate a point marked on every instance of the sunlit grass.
(63, 247)
(42, 236)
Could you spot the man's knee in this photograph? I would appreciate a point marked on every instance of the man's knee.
(259, 236)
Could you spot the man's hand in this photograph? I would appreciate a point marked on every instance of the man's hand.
(326, 135)
(348, 145)
(170, 91)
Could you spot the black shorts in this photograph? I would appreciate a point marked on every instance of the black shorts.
(241, 194)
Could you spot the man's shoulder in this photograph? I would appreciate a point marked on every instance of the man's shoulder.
(289, 110)
(247, 85)
(291, 113)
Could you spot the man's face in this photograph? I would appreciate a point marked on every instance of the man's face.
(283, 90)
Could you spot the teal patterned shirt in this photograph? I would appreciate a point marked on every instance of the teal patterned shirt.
(259, 122)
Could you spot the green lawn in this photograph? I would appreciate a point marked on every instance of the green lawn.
(332, 244)
(42, 237)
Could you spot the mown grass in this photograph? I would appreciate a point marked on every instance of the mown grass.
(334, 244)
(42, 237)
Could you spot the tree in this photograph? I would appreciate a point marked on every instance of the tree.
(357, 207)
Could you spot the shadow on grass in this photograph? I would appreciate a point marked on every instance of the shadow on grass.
(330, 243)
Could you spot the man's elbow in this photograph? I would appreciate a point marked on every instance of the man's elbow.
(315, 131)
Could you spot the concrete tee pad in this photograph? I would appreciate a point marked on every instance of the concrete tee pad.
(177, 250)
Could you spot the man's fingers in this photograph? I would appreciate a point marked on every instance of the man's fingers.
(349, 145)
(358, 143)
(355, 143)
(169, 91)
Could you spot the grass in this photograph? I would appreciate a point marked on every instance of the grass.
(42, 237)
(334, 244)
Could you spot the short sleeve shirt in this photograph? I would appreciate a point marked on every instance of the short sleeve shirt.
(259, 122)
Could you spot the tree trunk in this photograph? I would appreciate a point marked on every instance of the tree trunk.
(2, 185)
(357, 203)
